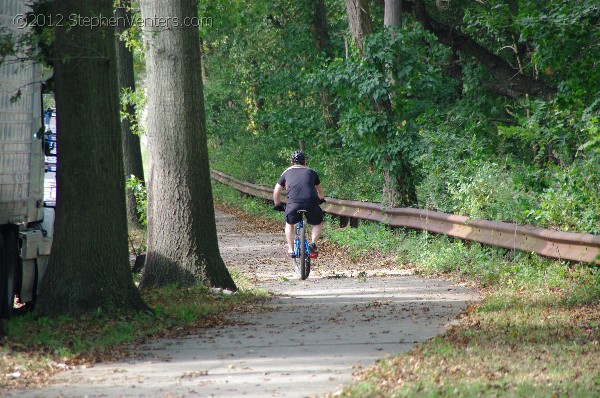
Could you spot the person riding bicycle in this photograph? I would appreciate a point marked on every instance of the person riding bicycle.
(304, 192)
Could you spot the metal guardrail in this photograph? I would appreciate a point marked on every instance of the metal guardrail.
(549, 243)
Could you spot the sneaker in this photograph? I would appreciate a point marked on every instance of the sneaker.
(314, 252)
(291, 255)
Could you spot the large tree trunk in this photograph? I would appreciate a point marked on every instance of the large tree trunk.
(320, 29)
(132, 154)
(398, 182)
(359, 21)
(89, 264)
(182, 235)
(392, 15)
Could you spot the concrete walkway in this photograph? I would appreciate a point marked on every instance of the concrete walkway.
(316, 334)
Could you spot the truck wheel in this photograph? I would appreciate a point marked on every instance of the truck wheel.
(9, 256)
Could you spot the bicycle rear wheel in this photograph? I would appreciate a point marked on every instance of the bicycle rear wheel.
(301, 261)
(304, 259)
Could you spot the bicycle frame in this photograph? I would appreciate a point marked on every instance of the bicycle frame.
(301, 249)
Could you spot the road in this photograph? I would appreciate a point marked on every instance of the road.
(312, 337)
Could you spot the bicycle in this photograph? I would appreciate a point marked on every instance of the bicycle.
(301, 258)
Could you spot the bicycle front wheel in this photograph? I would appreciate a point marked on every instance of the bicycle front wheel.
(304, 260)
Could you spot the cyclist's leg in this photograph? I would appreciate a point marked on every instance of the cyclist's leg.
(316, 232)
(289, 236)
(291, 219)
(314, 215)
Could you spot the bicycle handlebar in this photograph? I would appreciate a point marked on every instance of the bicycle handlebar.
(281, 206)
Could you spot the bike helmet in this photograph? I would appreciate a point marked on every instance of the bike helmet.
(298, 157)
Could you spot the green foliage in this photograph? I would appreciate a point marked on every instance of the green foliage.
(132, 106)
(141, 198)
(381, 94)
(361, 241)
(250, 205)
(470, 150)
(570, 202)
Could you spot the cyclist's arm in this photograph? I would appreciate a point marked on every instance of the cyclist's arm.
(277, 194)
(320, 191)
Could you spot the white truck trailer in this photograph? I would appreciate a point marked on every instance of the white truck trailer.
(26, 222)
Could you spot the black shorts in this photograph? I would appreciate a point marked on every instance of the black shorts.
(314, 214)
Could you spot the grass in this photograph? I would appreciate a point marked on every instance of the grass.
(37, 347)
(535, 333)
(532, 344)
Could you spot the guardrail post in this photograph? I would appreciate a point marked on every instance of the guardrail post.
(354, 223)
(344, 221)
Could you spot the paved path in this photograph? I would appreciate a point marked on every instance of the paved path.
(318, 332)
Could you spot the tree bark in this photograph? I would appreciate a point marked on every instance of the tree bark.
(359, 21)
(392, 15)
(392, 19)
(132, 154)
(182, 235)
(320, 29)
(398, 186)
(89, 265)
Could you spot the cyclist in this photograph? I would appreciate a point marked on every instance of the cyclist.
(304, 192)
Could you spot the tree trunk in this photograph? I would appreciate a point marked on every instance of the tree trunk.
(393, 13)
(398, 187)
(392, 19)
(390, 196)
(182, 235)
(132, 154)
(89, 264)
(359, 21)
(320, 29)
(405, 180)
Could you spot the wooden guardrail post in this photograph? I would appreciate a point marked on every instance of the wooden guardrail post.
(344, 221)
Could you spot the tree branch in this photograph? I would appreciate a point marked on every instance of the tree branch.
(509, 81)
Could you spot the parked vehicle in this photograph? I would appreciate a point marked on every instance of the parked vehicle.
(26, 219)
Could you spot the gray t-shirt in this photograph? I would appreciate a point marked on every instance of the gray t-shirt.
(300, 183)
